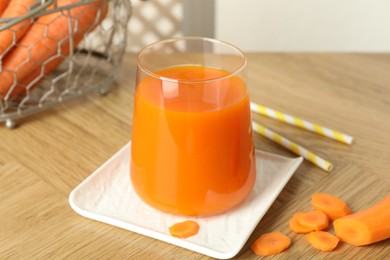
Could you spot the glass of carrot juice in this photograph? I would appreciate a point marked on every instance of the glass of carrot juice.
(192, 149)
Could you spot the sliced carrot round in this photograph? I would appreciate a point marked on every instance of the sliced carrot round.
(184, 229)
(314, 220)
(296, 227)
(332, 206)
(322, 240)
(271, 244)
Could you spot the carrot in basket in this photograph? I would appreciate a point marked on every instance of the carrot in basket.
(314, 220)
(271, 244)
(332, 206)
(322, 240)
(14, 33)
(3, 5)
(184, 229)
(38, 75)
(296, 227)
(47, 39)
(367, 226)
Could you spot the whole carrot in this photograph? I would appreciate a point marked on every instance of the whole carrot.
(47, 40)
(367, 226)
(37, 75)
(12, 35)
(3, 5)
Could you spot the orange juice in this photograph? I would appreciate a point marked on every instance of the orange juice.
(192, 148)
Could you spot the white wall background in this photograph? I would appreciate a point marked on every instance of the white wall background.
(267, 25)
(304, 25)
(153, 20)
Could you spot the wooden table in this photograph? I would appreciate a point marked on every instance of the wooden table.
(51, 153)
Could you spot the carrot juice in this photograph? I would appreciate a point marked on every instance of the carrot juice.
(192, 148)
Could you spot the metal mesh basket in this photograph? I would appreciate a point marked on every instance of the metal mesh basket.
(89, 67)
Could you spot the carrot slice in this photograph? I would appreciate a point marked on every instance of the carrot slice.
(271, 244)
(184, 229)
(367, 226)
(322, 240)
(296, 227)
(332, 206)
(314, 220)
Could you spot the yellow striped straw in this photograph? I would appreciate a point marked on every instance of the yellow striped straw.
(295, 148)
(295, 121)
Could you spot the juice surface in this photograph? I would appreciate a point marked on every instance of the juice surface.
(192, 147)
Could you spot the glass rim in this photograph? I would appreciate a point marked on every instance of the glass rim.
(154, 75)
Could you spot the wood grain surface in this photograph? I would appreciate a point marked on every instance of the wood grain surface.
(50, 153)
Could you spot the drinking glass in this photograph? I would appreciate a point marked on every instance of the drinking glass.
(192, 149)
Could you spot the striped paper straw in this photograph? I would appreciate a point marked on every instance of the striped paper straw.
(295, 148)
(292, 120)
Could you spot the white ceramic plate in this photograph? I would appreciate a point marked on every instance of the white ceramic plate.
(107, 196)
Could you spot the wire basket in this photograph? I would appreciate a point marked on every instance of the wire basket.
(87, 66)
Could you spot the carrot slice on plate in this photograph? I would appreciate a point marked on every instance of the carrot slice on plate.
(184, 229)
(271, 244)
